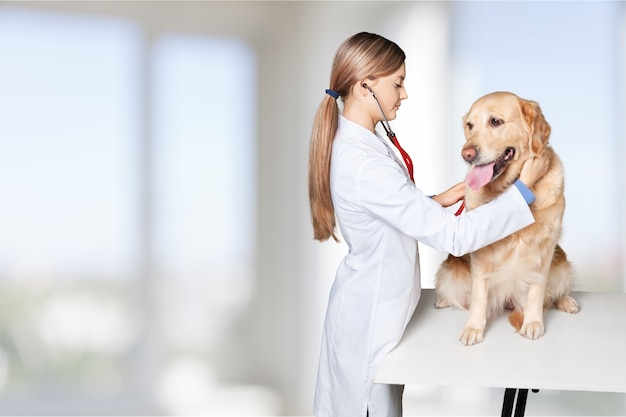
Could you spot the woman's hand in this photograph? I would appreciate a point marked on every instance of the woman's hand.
(452, 195)
(534, 169)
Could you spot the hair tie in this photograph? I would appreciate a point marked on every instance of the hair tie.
(333, 94)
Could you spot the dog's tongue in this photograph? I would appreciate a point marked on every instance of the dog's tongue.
(479, 176)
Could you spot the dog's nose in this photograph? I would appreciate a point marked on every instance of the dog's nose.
(469, 154)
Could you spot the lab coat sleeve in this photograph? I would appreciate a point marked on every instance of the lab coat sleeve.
(383, 190)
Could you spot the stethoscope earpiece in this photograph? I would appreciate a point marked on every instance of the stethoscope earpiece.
(384, 122)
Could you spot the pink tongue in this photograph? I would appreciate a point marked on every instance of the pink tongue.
(479, 176)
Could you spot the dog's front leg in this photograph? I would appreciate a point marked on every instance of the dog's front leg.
(532, 326)
(474, 329)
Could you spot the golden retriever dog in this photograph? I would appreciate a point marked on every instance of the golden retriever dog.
(527, 271)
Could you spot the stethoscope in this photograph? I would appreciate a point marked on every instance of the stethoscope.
(392, 136)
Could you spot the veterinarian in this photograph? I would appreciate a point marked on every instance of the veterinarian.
(356, 178)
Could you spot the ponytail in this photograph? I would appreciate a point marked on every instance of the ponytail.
(324, 129)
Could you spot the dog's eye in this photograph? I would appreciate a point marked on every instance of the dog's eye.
(495, 121)
(469, 125)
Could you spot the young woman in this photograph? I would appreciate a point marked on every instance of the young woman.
(356, 178)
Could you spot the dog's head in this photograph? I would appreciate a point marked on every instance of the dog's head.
(502, 131)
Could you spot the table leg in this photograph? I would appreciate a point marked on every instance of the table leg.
(509, 400)
(520, 406)
(507, 404)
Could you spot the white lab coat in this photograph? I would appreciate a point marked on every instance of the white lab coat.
(382, 216)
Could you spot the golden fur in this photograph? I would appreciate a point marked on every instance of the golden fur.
(526, 271)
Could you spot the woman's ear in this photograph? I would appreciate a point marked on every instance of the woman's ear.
(366, 85)
(362, 87)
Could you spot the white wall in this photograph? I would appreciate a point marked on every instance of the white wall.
(622, 110)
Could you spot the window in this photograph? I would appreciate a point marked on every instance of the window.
(68, 246)
(127, 223)
(204, 184)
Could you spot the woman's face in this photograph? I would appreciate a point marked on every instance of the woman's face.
(390, 92)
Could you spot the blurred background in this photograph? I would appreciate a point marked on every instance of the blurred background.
(156, 253)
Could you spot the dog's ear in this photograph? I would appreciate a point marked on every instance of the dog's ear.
(537, 126)
(464, 121)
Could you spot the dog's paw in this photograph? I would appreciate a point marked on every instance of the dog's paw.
(567, 304)
(441, 302)
(471, 336)
(532, 330)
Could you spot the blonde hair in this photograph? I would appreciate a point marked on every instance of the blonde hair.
(362, 56)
